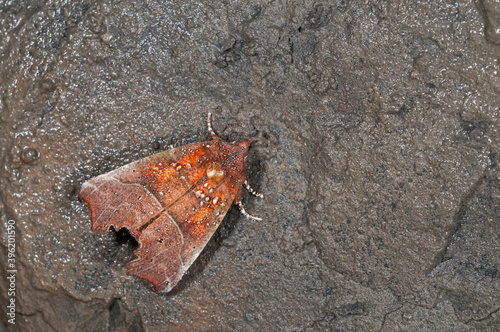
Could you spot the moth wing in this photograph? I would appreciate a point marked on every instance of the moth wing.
(170, 245)
(133, 194)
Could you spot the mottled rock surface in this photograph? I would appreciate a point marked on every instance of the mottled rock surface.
(378, 131)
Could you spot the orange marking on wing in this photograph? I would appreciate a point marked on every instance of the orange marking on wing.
(189, 215)
(163, 176)
(197, 225)
(192, 158)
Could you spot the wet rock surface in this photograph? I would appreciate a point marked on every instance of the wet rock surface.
(378, 133)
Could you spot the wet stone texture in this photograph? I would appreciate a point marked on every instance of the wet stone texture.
(378, 145)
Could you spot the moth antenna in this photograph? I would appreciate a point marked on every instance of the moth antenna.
(245, 213)
(251, 191)
(209, 125)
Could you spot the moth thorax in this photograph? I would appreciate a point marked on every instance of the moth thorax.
(215, 171)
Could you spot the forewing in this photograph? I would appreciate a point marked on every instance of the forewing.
(174, 240)
(171, 202)
(136, 193)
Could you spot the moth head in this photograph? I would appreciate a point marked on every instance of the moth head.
(245, 144)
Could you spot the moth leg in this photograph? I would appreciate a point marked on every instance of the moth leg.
(245, 213)
(209, 125)
(237, 201)
(251, 191)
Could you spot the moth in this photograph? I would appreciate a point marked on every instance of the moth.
(171, 202)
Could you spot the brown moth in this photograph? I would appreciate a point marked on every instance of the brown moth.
(171, 202)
